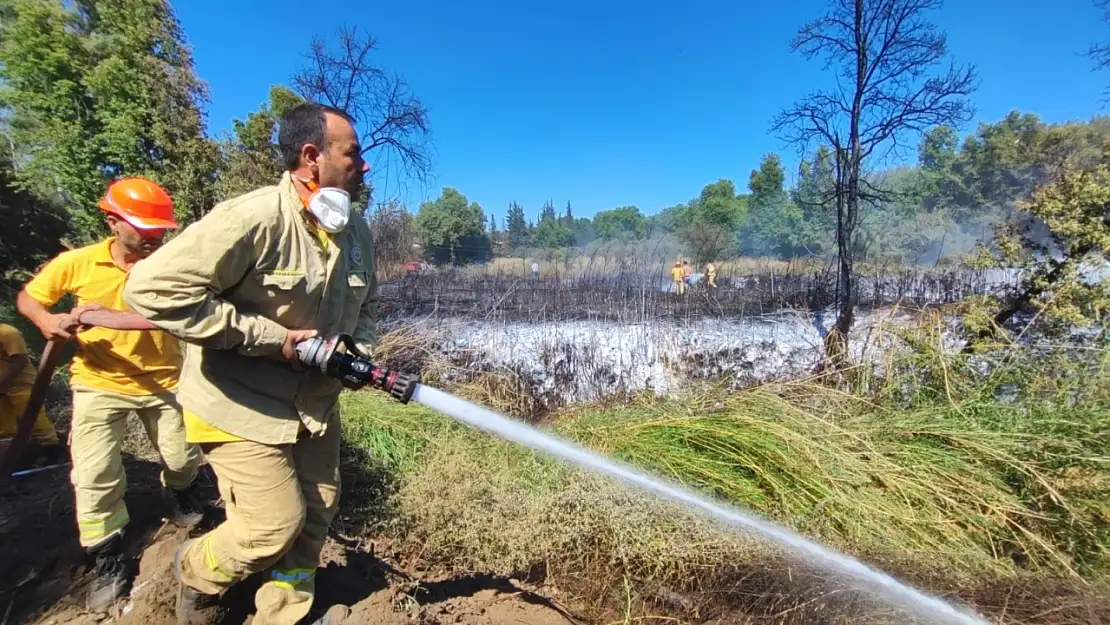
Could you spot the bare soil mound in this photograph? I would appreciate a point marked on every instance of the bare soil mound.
(43, 573)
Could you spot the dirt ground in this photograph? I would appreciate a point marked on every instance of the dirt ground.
(43, 574)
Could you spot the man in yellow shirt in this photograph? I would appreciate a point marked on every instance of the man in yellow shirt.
(242, 286)
(113, 374)
(678, 277)
(17, 375)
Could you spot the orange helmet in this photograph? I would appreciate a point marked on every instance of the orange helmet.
(140, 202)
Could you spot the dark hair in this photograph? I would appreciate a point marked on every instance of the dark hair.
(303, 124)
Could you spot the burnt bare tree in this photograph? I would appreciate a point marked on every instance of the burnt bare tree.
(393, 122)
(887, 88)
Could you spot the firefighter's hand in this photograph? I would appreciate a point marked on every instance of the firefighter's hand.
(58, 327)
(289, 348)
(63, 326)
(84, 308)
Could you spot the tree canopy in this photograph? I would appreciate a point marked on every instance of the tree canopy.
(453, 229)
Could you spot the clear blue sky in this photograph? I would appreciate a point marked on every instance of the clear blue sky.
(614, 102)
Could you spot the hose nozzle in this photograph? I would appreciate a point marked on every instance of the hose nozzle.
(353, 368)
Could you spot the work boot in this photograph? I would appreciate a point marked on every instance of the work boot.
(190, 605)
(186, 505)
(111, 575)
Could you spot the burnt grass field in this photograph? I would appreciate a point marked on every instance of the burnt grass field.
(625, 294)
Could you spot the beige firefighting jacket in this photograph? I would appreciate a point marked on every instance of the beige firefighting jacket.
(230, 284)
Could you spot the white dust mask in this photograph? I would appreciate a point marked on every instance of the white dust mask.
(331, 206)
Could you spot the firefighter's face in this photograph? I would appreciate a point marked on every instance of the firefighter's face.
(136, 241)
(341, 165)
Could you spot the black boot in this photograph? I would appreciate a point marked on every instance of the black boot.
(111, 575)
(190, 606)
(187, 507)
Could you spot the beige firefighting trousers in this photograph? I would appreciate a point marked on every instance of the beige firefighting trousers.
(95, 440)
(280, 500)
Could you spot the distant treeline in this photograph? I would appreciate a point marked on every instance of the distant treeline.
(955, 195)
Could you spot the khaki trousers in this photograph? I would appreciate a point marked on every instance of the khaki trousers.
(95, 440)
(11, 409)
(280, 501)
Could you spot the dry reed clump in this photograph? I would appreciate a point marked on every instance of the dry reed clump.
(915, 486)
(423, 347)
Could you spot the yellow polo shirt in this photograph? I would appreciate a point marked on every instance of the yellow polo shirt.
(130, 362)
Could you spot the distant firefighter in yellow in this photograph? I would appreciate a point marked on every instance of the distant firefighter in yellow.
(679, 277)
(711, 275)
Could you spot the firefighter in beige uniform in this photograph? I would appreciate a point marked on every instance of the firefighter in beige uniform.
(241, 287)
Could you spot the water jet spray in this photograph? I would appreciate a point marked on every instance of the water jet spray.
(355, 370)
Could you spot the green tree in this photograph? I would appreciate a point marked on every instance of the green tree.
(815, 196)
(453, 229)
(250, 155)
(32, 229)
(670, 219)
(1001, 163)
(624, 224)
(517, 226)
(709, 224)
(719, 205)
(551, 231)
(775, 225)
(1068, 239)
(767, 181)
(98, 89)
(938, 157)
(583, 231)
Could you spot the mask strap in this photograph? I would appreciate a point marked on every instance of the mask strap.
(309, 183)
